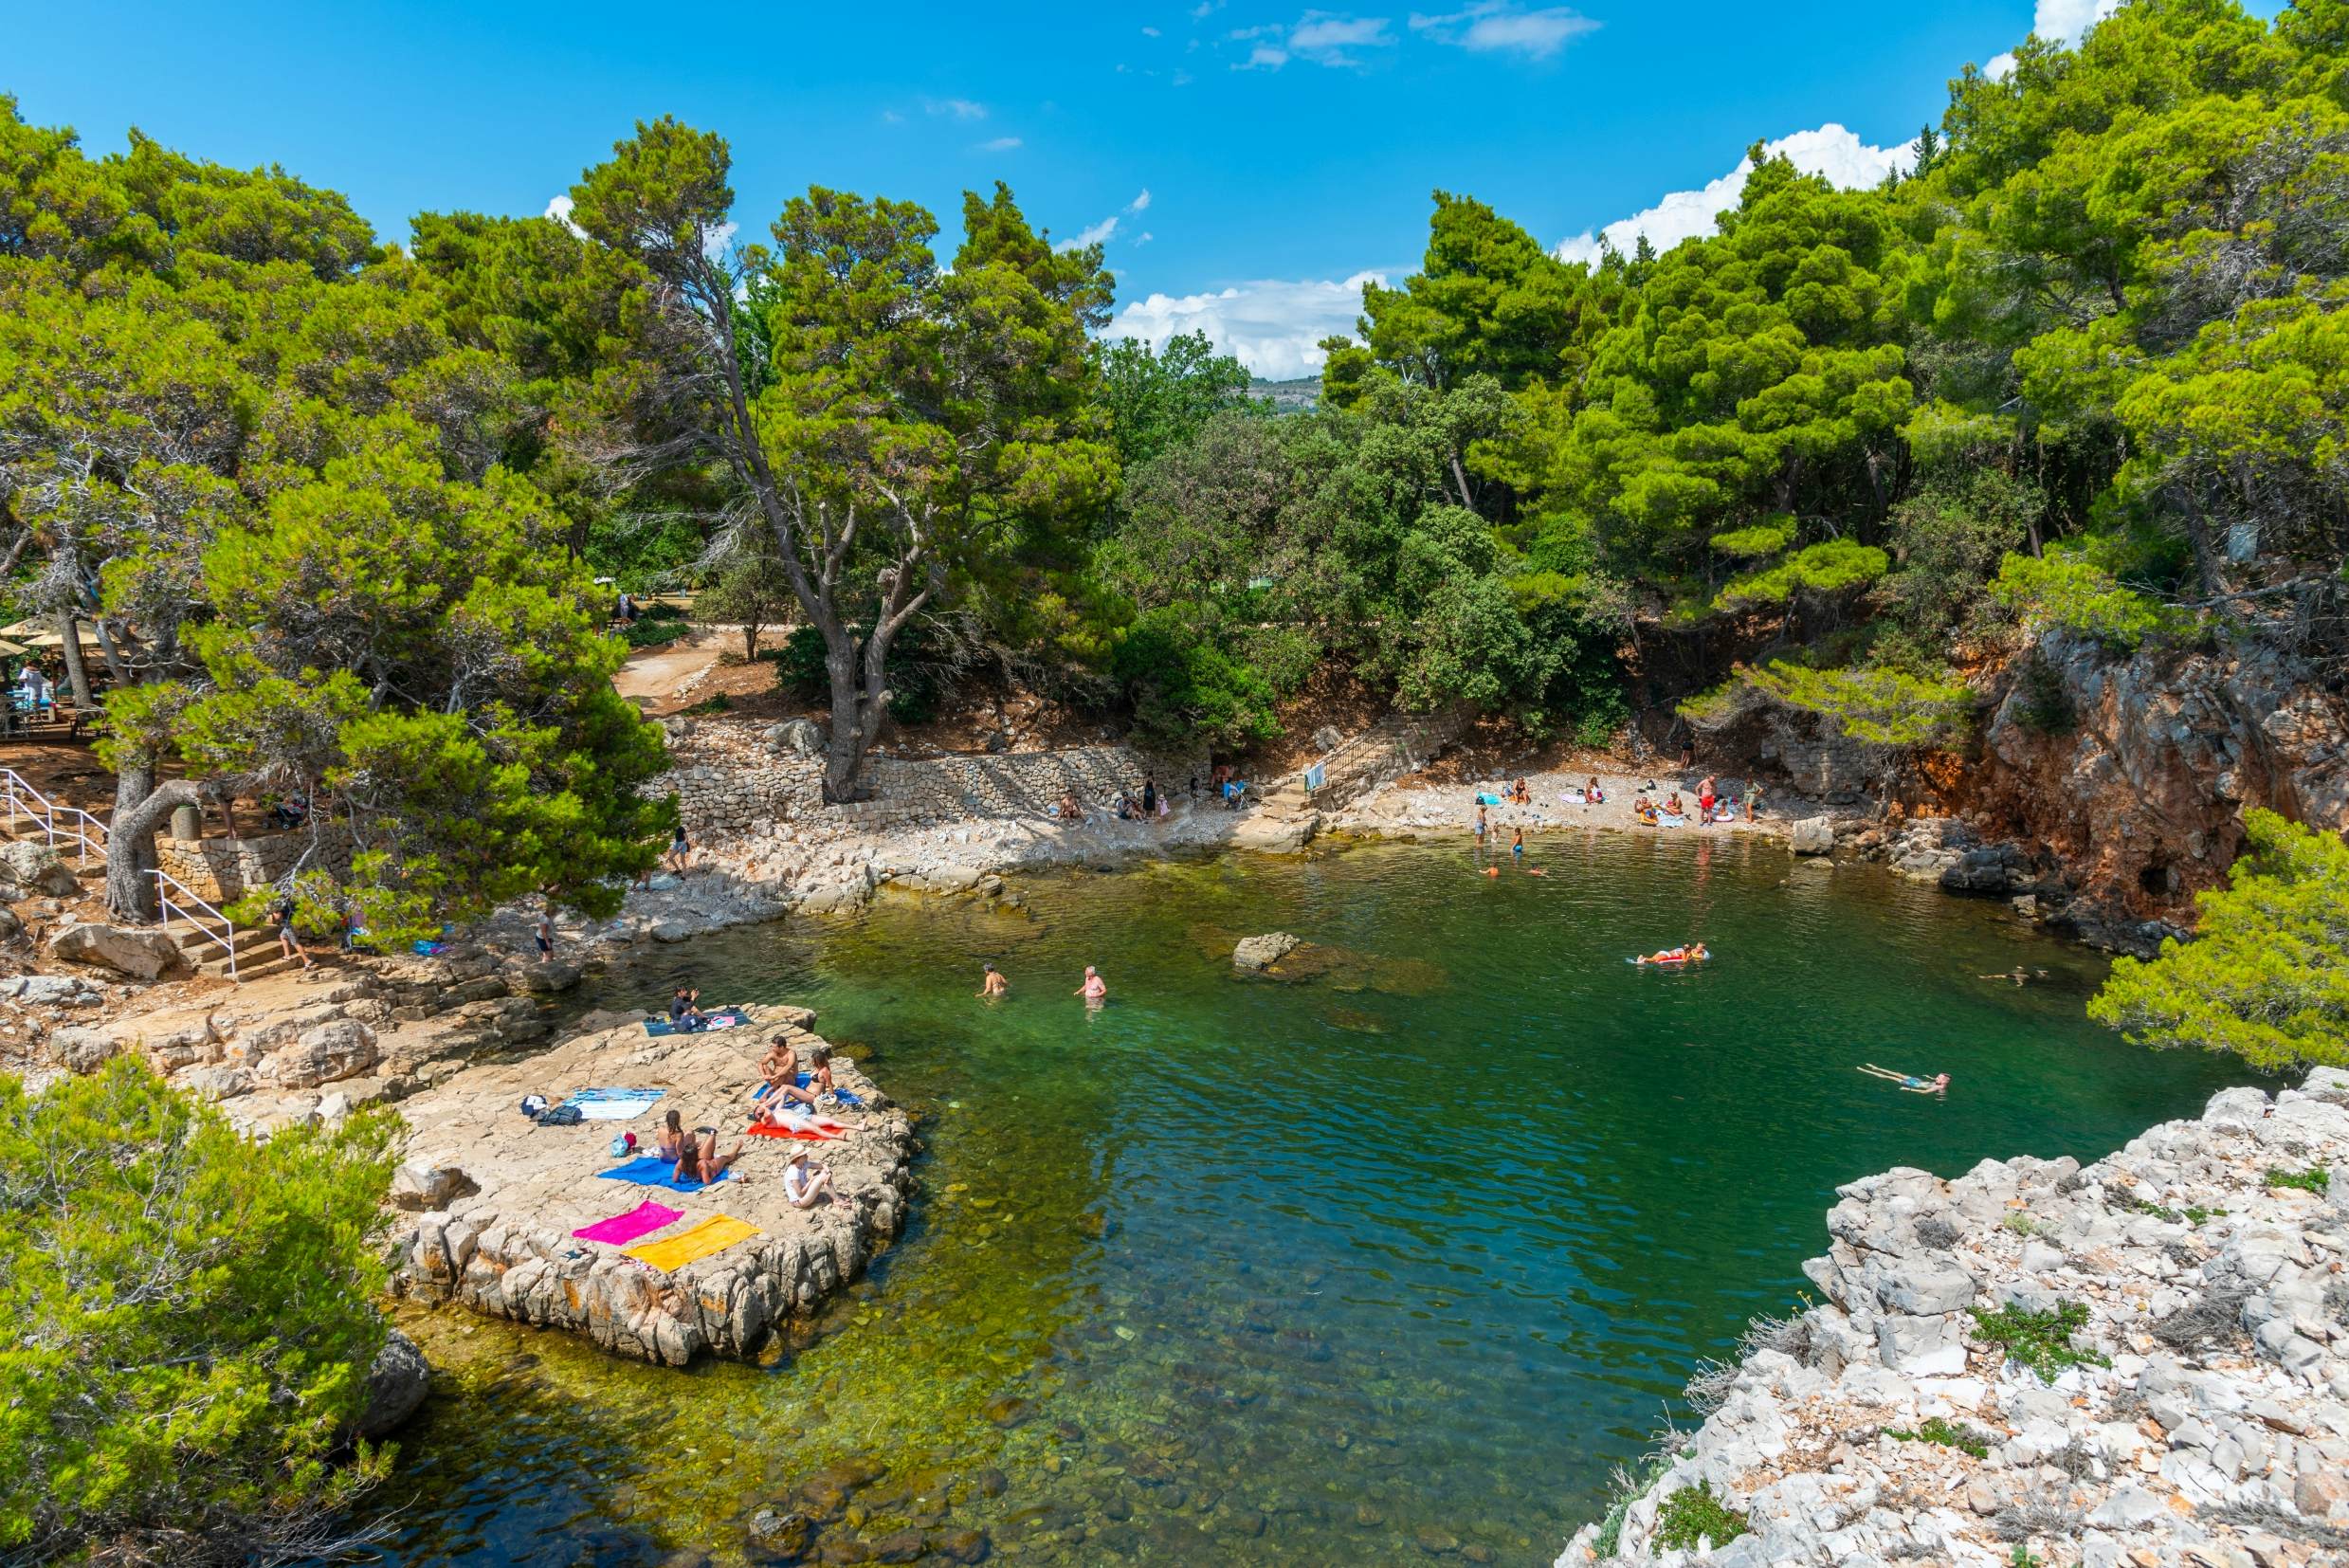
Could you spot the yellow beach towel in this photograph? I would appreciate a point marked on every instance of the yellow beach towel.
(714, 1234)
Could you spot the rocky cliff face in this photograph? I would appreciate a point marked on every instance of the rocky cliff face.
(2142, 1361)
(2134, 773)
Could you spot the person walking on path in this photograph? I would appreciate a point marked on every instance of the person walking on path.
(282, 916)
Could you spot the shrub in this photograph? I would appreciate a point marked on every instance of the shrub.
(192, 1321)
(651, 634)
(2076, 596)
(915, 680)
(2314, 1179)
(2266, 977)
(1694, 1514)
(2040, 1340)
(1945, 1433)
(1186, 689)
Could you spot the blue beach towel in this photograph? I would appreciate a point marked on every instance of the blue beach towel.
(1482, 799)
(724, 1017)
(1668, 821)
(652, 1170)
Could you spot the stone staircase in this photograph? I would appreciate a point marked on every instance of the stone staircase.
(1388, 750)
(257, 951)
(25, 830)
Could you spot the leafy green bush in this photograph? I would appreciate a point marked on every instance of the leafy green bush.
(2265, 976)
(2314, 1179)
(192, 1321)
(1694, 1514)
(1936, 1429)
(2072, 595)
(2040, 1340)
(652, 633)
(1186, 689)
(708, 706)
(2047, 708)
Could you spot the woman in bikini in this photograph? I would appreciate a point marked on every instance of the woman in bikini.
(671, 1143)
(701, 1162)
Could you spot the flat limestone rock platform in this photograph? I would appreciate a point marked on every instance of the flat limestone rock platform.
(499, 1196)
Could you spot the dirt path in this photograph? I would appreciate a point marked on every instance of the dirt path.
(656, 676)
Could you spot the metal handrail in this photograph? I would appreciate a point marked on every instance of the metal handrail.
(164, 879)
(80, 825)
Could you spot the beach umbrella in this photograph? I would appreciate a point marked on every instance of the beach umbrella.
(11, 650)
(28, 629)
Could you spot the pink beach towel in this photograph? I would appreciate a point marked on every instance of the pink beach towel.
(620, 1229)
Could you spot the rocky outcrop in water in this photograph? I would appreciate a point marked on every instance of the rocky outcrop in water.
(513, 1191)
(2140, 1362)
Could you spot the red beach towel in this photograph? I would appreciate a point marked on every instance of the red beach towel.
(809, 1134)
(619, 1229)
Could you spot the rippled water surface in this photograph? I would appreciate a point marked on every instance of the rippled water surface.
(1398, 1259)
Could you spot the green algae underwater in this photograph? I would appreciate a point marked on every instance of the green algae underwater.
(1397, 1259)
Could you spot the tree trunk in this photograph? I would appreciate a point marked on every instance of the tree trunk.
(77, 674)
(140, 807)
(844, 760)
(749, 641)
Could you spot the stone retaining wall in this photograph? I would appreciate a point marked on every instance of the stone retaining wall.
(223, 869)
(735, 779)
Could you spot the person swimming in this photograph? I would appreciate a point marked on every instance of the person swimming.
(993, 984)
(1095, 989)
(1909, 1083)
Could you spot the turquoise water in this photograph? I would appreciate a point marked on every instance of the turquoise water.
(1402, 1256)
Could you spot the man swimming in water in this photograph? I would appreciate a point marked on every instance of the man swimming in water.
(994, 984)
(1095, 989)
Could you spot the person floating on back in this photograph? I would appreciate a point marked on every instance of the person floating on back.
(1909, 1083)
(1692, 953)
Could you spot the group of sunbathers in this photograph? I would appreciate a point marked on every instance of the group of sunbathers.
(784, 1099)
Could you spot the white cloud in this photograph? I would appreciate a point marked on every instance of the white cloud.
(961, 108)
(2058, 22)
(1274, 327)
(1319, 36)
(1001, 144)
(1830, 150)
(560, 209)
(1497, 25)
(1150, 32)
(890, 117)
(1143, 238)
(1100, 233)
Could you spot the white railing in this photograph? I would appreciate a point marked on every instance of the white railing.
(61, 824)
(164, 881)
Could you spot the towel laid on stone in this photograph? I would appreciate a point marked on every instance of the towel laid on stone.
(652, 1170)
(643, 1220)
(714, 1234)
(808, 1134)
(611, 1104)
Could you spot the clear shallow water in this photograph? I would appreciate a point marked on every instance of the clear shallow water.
(1405, 1256)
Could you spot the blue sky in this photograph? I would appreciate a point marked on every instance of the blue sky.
(1285, 150)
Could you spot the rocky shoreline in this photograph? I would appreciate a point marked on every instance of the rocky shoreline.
(2143, 1361)
(496, 1198)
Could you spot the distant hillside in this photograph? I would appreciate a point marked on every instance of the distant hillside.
(1289, 396)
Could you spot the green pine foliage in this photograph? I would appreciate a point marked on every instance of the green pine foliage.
(192, 1321)
(2267, 976)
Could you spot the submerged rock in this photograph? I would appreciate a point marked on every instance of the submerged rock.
(1259, 953)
